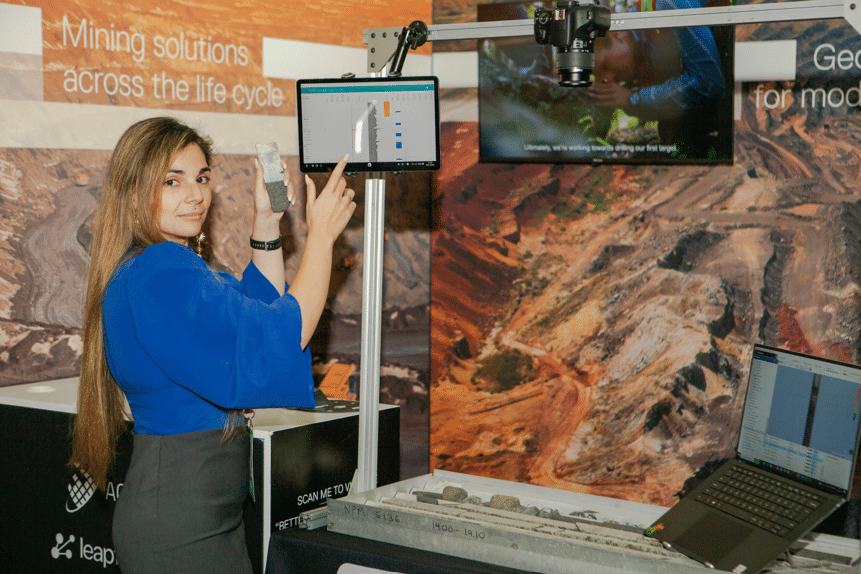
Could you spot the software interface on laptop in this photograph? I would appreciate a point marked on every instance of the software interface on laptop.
(801, 417)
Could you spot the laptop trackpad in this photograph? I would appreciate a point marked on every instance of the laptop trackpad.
(713, 536)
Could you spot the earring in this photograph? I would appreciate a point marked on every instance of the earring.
(199, 240)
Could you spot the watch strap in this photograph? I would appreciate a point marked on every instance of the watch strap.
(267, 245)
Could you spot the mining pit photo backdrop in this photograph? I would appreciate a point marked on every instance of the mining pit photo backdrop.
(591, 326)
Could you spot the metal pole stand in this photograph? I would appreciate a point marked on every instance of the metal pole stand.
(372, 312)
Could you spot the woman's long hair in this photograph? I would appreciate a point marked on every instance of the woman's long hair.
(126, 223)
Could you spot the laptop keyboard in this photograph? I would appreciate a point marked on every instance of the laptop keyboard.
(761, 500)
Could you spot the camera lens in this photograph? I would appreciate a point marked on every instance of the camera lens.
(575, 78)
(575, 68)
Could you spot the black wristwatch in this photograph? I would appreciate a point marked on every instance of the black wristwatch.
(267, 245)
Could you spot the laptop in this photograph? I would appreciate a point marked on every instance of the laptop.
(794, 463)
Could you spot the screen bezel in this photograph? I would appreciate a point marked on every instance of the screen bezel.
(380, 166)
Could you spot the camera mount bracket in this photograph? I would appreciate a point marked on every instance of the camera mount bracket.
(382, 42)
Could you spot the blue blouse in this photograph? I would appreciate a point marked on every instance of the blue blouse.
(186, 344)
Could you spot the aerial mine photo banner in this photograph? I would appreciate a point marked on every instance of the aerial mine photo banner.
(592, 324)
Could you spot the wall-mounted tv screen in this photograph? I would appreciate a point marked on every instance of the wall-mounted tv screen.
(657, 96)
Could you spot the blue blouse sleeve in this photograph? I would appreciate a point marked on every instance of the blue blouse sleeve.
(233, 343)
(253, 284)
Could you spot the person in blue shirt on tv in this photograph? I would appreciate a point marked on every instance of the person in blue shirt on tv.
(675, 76)
(189, 349)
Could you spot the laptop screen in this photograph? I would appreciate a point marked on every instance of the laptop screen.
(801, 417)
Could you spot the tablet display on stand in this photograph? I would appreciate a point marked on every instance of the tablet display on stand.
(382, 123)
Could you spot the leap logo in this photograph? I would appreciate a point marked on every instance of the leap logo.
(60, 549)
(64, 546)
(81, 489)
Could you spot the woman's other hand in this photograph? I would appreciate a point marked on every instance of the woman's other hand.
(262, 203)
(267, 227)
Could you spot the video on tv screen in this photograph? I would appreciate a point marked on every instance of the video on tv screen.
(657, 96)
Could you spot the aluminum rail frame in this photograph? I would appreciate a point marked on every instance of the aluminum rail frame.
(382, 43)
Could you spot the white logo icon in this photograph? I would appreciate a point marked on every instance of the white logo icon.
(58, 551)
(81, 489)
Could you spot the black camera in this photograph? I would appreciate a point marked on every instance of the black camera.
(572, 28)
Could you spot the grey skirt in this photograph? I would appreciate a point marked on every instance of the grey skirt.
(180, 507)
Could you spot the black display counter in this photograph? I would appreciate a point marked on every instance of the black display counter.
(54, 520)
(299, 551)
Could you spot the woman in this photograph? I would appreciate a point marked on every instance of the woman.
(189, 349)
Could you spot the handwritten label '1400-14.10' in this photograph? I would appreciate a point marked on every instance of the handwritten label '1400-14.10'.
(465, 531)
